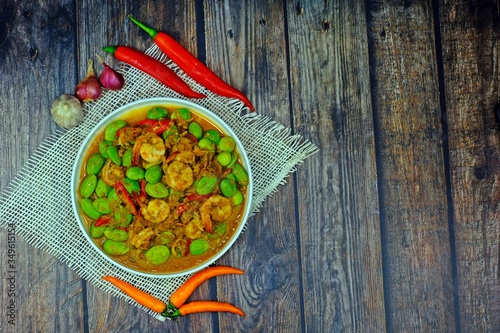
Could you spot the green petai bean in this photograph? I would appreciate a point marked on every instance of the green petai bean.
(199, 246)
(96, 232)
(182, 113)
(157, 112)
(115, 248)
(87, 208)
(220, 230)
(153, 174)
(127, 158)
(226, 143)
(195, 129)
(228, 187)
(240, 174)
(237, 198)
(103, 148)
(102, 189)
(135, 173)
(101, 205)
(206, 185)
(212, 135)
(158, 254)
(206, 144)
(158, 190)
(88, 186)
(94, 164)
(114, 155)
(234, 158)
(116, 234)
(224, 158)
(112, 128)
(131, 185)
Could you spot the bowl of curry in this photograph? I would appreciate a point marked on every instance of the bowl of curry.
(161, 187)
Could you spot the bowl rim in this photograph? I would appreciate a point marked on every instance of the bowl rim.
(117, 114)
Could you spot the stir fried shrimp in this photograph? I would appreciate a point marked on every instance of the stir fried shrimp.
(179, 175)
(170, 190)
(150, 147)
(141, 239)
(156, 211)
(217, 208)
(111, 173)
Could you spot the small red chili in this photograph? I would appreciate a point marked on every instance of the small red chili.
(101, 221)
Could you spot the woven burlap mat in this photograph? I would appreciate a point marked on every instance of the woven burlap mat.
(40, 195)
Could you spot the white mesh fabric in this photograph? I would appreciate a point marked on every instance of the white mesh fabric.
(38, 200)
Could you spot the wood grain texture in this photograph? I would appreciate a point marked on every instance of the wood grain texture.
(245, 45)
(470, 38)
(37, 50)
(417, 267)
(337, 192)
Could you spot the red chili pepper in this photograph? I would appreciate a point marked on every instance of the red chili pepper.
(154, 68)
(192, 66)
(101, 221)
(126, 198)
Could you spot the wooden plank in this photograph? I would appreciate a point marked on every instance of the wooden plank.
(337, 188)
(245, 44)
(470, 33)
(106, 23)
(418, 275)
(36, 52)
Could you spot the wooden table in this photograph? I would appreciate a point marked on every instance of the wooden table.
(393, 226)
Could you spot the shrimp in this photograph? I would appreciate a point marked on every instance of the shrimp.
(150, 147)
(156, 211)
(216, 208)
(141, 240)
(111, 173)
(194, 229)
(178, 175)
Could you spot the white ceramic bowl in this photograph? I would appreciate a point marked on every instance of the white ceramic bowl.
(119, 113)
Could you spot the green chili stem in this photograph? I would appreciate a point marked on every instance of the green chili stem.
(151, 32)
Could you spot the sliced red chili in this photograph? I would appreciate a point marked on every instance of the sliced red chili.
(182, 208)
(192, 137)
(126, 198)
(102, 221)
(171, 157)
(147, 122)
(188, 243)
(196, 196)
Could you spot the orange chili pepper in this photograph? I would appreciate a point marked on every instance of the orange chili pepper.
(180, 296)
(206, 306)
(138, 295)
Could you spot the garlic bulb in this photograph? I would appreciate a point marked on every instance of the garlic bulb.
(67, 111)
